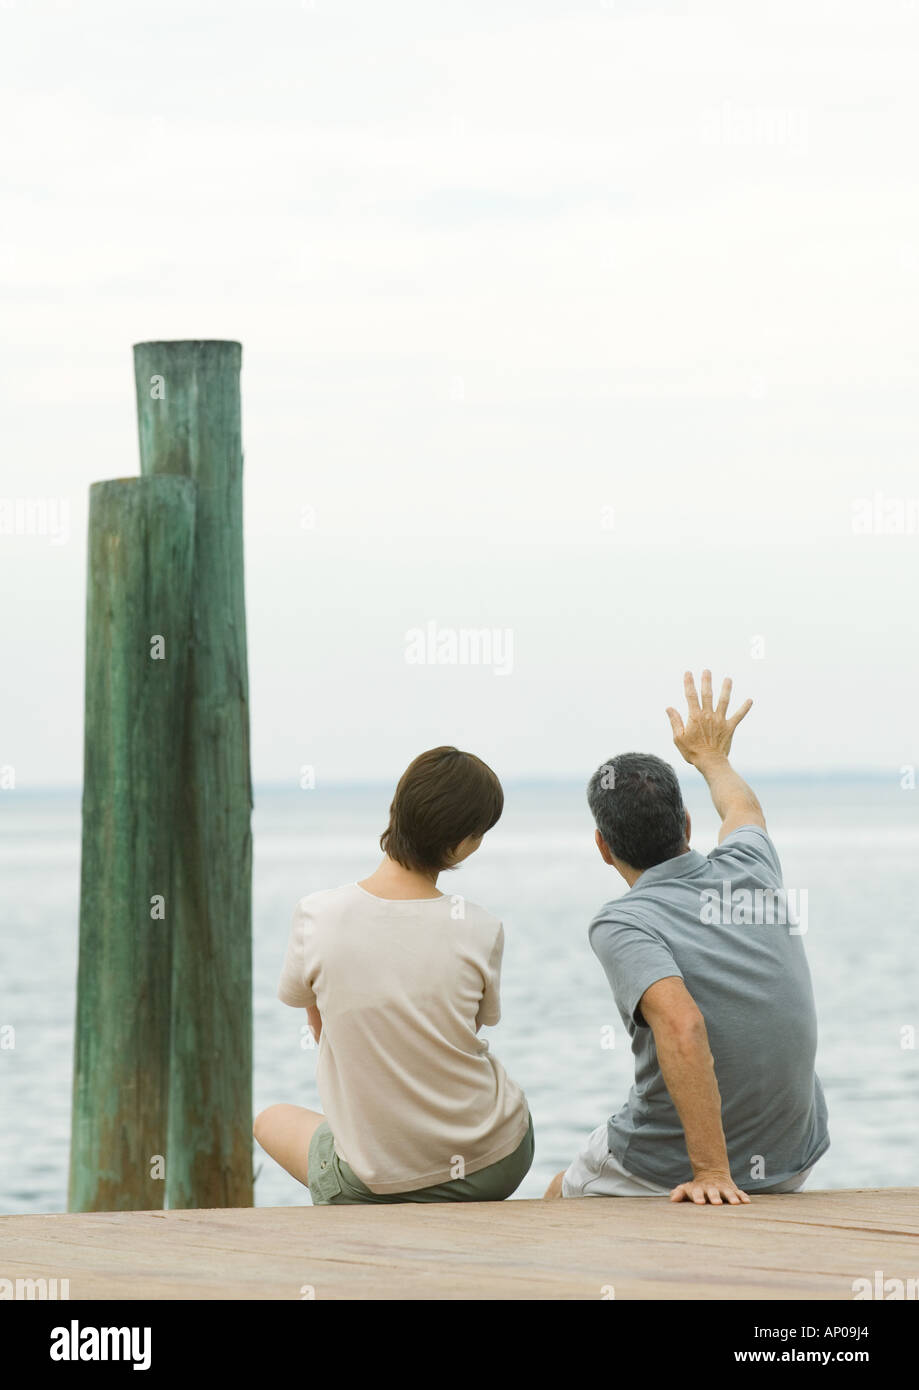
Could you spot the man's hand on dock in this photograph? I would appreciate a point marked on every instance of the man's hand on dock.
(712, 1187)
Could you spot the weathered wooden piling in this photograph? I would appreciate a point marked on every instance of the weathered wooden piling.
(188, 408)
(138, 625)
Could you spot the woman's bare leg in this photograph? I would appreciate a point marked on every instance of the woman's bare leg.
(284, 1132)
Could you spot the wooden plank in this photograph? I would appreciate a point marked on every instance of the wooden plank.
(798, 1246)
(188, 408)
(141, 535)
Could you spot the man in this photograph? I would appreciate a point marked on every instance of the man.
(708, 971)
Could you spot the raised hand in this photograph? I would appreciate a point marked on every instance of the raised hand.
(708, 731)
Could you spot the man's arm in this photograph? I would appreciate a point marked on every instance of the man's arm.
(689, 1073)
(734, 800)
(705, 742)
(315, 1021)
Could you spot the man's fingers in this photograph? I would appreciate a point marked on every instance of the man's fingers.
(676, 722)
(689, 687)
(724, 698)
(706, 689)
(713, 1194)
(744, 710)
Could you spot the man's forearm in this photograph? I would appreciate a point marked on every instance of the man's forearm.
(729, 792)
(688, 1070)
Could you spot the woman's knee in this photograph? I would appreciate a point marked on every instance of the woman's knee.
(263, 1120)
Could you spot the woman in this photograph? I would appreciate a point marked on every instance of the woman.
(397, 978)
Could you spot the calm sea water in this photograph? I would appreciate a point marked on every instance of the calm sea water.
(852, 843)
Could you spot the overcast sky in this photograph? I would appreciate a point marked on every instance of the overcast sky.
(589, 325)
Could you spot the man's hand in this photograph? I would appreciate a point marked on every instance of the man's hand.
(713, 1186)
(708, 731)
(705, 742)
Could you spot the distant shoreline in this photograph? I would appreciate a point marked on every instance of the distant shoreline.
(876, 775)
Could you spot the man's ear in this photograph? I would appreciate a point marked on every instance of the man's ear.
(688, 827)
(603, 847)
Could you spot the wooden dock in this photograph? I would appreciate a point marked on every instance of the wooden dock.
(809, 1245)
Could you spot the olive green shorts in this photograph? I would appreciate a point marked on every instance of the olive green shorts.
(333, 1183)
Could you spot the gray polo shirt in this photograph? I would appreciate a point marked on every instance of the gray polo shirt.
(717, 922)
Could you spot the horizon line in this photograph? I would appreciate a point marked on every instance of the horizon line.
(873, 773)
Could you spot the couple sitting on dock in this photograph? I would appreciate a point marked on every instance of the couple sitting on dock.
(397, 978)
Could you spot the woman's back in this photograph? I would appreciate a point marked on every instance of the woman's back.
(413, 1096)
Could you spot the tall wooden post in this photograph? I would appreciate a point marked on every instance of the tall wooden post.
(188, 410)
(138, 623)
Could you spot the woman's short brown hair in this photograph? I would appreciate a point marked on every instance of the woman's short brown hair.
(442, 797)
